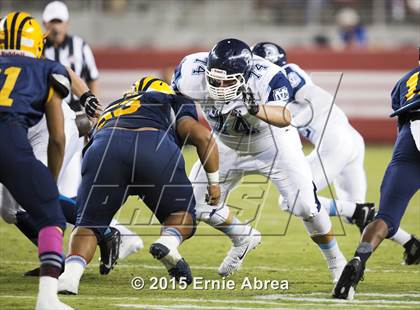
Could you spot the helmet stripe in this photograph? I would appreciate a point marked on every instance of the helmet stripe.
(6, 35)
(12, 31)
(150, 83)
(19, 32)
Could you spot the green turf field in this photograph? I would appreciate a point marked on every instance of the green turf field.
(285, 254)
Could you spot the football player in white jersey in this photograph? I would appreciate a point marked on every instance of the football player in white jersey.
(338, 155)
(243, 99)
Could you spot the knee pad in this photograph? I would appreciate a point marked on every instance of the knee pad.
(299, 208)
(318, 225)
(212, 215)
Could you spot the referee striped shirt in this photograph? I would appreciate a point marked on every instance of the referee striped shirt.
(76, 54)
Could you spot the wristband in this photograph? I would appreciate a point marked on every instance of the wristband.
(213, 177)
(84, 97)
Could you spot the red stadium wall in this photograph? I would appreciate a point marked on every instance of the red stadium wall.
(373, 128)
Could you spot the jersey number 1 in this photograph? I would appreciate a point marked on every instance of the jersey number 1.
(12, 74)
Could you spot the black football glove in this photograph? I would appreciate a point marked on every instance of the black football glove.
(249, 101)
(91, 104)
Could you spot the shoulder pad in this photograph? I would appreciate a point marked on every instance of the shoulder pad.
(61, 84)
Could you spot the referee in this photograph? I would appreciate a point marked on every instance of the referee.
(73, 52)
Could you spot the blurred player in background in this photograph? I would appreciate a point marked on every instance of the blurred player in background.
(30, 87)
(134, 147)
(337, 158)
(72, 51)
(401, 181)
(241, 98)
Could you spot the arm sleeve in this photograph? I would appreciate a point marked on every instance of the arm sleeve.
(183, 107)
(279, 89)
(89, 71)
(317, 97)
(59, 79)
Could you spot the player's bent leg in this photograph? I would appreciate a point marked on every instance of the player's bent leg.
(33, 187)
(400, 182)
(99, 184)
(244, 238)
(293, 180)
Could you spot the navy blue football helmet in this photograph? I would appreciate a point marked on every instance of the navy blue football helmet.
(229, 66)
(272, 52)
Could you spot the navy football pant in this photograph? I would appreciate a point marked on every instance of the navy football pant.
(120, 163)
(401, 180)
(27, 179)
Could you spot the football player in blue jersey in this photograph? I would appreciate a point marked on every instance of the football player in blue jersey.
(134, 151)
(13, 26)
(339, 164)
(401, 181)
(29, 88)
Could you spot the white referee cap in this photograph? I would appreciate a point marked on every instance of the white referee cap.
(55, 10)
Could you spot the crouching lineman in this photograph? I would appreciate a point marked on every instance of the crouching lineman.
(401, 181)
(339, 151)
(30, 87)
(241, 98)
(134, 152)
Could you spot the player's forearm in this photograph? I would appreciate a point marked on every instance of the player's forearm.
(208, 153)
(78, 86)
(274, 115)
(93, 86)
(56, 147)
(194, 133)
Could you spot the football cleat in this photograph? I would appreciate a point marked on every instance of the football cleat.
(363, 215)
(130, 242)
(350, 277)
(236, 255)
(109, 247)
(177, 267)
(32, 273)
(67, 286)
(412, 251)
(48, 304)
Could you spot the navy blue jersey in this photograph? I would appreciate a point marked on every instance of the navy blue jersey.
(25, 86)
(150, 109)
(407, 89)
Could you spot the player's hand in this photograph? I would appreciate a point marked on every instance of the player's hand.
(249, 101)
(91, 103)
(213, 195)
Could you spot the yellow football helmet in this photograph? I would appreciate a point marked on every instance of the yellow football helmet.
(21, 32)
(150, 83)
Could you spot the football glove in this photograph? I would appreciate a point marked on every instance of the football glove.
(91, 104)
(249, 101)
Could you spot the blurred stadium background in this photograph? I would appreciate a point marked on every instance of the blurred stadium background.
(130, 38)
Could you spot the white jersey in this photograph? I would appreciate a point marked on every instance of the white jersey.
(311, 121)
(236, 128)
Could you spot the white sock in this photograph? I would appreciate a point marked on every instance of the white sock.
(47, 287)
(339, 207)
(401, 237)
(74, 268)
(170, 237)
(236, 231)
(331, 250)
